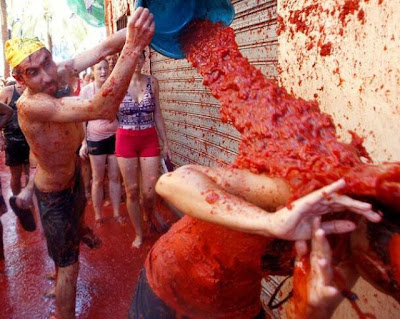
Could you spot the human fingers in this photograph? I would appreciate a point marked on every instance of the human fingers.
(142, 18)
(148, 20)
(134, 17)
(322, 257)
(321, 195)
(319, 243)
(330, 292)
(316, 224)
(334, 187)
(338, 226)
(342, 202)
(152, 27)
(82, 154)
(301, 248)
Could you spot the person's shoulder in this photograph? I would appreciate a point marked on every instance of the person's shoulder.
(8, 90)
(6, 94)
(154, 81)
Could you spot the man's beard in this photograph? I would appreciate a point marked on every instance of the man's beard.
(50, 86)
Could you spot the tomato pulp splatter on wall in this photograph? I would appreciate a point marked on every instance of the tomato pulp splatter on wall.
(282, 135)
(305, 21)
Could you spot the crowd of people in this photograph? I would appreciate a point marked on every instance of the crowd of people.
(115, 120)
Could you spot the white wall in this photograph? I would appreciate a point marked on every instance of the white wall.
(358, 83)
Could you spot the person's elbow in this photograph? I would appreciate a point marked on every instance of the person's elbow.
(101, 111)
(165, 185)
(169, 185)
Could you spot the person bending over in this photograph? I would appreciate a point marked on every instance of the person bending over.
(208, 265)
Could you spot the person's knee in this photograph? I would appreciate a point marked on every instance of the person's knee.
(98, 182)
(114, 177)
(148, 197)
(132, 191)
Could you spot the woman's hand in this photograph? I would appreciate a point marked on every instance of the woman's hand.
(83, 151)
(296, 223)
(165, 151)
(140, 29)
(321, 296)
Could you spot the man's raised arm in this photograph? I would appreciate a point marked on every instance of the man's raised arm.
(106, 102)
(111, 45)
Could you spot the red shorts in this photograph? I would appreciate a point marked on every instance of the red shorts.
(137, 143)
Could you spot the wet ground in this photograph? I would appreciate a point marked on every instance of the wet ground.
(107, 276)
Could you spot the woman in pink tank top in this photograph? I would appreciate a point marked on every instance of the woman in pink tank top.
(100, 145)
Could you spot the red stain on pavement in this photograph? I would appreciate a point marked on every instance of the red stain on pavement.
(107, 276)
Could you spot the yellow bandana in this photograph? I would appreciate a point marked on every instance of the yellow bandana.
(19, 49)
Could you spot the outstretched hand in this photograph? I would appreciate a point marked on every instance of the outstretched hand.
(296, 223)
(322, 296)
(140, 28)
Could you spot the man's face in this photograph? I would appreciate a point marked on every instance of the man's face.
(39, 73)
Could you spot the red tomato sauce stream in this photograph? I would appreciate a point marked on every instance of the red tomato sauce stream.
(282, 135)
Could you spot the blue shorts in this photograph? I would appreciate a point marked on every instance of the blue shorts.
(147, 305)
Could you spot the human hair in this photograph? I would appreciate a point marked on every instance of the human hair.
(101, 60)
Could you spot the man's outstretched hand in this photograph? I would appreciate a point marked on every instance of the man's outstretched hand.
(296, 223)
(140, 28)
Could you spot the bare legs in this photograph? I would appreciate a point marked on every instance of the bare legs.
(1, 242)
(114, 184)
(129, 171)
(149, 168)
(98, 163)
(149, 172)
(66, 290)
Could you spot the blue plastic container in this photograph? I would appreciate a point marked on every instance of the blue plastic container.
(171, 17)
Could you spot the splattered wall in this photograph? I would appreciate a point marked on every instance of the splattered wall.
(346, 55)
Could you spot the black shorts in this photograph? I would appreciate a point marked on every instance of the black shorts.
(17, 153)
(103, 147)
(60, 213)
(147, 305)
